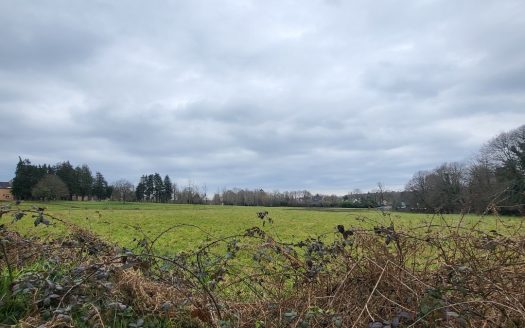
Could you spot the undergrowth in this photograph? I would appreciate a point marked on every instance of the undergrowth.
(433, 275)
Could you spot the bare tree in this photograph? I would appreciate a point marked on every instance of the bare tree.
(419, 187)
(506, 156)
(123, 190)
(380, 191)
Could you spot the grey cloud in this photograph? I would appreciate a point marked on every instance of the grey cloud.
(328, 95)
(419, 81)
(40, 39)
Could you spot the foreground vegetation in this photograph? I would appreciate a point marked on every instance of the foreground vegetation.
(201, 266)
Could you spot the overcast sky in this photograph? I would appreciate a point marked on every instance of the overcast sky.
(320, 95)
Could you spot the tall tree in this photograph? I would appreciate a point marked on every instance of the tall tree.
(482, 187)
(26, 177)
(158, 187)
(419, 187)
(506, 154)
(150, 188)
(100, 186)
(447, 185)
(141, 188)
(66, 173)
(109, 192)
(84, 180)
(168, 189)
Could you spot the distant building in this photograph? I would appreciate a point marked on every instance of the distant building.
(5, 191)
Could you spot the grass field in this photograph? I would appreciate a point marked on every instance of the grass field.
(116, 222)
(472, 266)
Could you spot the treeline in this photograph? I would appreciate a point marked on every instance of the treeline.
(60, 181)
(303, 198)
(378, 197)
(495, 179)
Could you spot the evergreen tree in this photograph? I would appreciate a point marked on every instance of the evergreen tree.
(168, 189)
(100, 186)
(141, 188)
(84, 180)
(26, 177)
(109, 191)
(66, 173)
(150, 187)
(158, 187)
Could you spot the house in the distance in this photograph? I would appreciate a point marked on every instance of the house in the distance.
(5, 191)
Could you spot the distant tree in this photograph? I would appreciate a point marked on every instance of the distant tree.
(100, 186)
(150, 188)
(381, 193)
(66, 173)
(168, 189)
(50, 187)
(482, 186)
(47, 169)
(189, 195)
(447, 185)
(419, 186)
(505, 155)
(26, 177)
(176, 193)
(109, 192)
(84, 180)
(123, 190)
(216, 200)
(440, 190)
(204, 195)
(158, 188)
(141, 189)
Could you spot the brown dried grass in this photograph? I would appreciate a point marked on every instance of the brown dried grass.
(450, 277)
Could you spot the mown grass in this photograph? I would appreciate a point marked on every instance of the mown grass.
(117, 222)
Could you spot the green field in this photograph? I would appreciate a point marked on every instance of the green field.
(117, 222)
(257, 277)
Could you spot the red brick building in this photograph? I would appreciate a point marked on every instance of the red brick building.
(5, 191)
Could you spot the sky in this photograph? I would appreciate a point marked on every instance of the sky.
(323, 95)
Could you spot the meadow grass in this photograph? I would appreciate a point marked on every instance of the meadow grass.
(424, 253)
(116, 222)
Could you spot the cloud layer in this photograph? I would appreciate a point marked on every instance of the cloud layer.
(323, 95)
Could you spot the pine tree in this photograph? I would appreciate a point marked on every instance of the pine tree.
(141, 188)
(84, 180)
(168, 189)
(26, 177)
(158, 187)
(149, 187)
(100, 186)
(66, 172)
